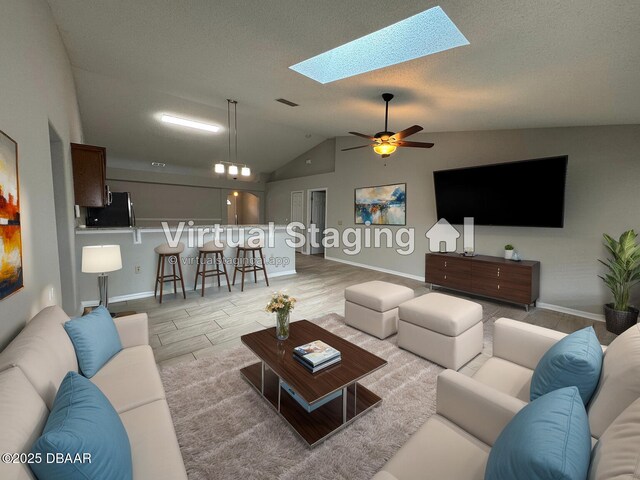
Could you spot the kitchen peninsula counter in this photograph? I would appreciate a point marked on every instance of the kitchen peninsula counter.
(139, 261)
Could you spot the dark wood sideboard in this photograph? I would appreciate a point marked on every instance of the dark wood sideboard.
(493, 277)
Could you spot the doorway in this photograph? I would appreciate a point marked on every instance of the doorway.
(297, 212)
(317, 214)
(243, 208)
(65, 222)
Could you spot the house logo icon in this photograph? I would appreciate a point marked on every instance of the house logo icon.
(443, 237)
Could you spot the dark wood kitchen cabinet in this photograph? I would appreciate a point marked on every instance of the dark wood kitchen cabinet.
(494, 277)
(89, 175)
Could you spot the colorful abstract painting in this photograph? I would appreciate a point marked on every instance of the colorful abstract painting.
(383, 205)
(10, 235)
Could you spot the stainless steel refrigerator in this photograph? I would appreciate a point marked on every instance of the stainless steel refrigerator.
(119, 213)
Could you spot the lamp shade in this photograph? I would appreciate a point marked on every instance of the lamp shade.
(233, 169)
(246, 171)
(101, 258)
(218, 168)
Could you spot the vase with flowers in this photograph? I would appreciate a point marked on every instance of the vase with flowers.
(281, 304)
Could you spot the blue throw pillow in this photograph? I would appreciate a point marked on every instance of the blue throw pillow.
(95, 339)
(83, 437)
(576, 360)
(549, 439)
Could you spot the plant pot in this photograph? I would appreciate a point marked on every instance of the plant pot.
(508, 254)
(618, 320)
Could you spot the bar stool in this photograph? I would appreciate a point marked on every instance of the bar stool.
(210, 248)
(172, 255)
(249, 264)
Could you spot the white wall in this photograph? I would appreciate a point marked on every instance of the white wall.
(601, 196)
(320, 159)
(36, 88)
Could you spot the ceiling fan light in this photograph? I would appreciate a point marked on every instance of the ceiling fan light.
(384, 149)
(218, 168)
(245, 171)
(233, 169)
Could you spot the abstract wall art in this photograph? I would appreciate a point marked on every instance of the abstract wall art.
(381, 205)
(10, 234)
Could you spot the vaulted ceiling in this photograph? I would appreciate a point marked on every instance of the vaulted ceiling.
(530, 63)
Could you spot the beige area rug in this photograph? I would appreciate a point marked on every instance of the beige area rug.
(227, 431)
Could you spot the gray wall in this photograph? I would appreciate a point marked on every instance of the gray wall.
(155, 202)
(36, 91)
(160, 196)
(601, 196)
(320, 159)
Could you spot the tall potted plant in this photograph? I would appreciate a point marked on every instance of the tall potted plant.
(623, 273)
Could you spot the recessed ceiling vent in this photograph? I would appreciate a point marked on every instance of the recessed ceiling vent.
(286, 102)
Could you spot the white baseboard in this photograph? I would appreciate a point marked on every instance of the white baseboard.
(571, 311)
(377, 269)
(546, 306)
(166, 291)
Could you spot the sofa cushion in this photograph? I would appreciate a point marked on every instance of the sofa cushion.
(616, 455)
(378, 296)
(576, 360)
(130, 379)
(440, 313)
(95, 339)
(43, 351)
(507, 377)
(436, 452)
(23, 415)
(83, 422)
(154, 446)
(619, 384)
(548, 439)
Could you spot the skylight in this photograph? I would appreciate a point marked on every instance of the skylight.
(425, 33)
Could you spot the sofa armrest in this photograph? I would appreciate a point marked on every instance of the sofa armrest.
(475, 407)
(522, 343)
(133, 330)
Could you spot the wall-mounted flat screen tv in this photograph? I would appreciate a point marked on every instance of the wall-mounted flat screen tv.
(528, 193)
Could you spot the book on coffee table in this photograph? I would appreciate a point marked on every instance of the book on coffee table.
(318, 367)
(316, 353)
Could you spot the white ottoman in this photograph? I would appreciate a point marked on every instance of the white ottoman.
(441, 328)
(373, 307)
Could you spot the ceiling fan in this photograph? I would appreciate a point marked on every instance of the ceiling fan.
(386, 142)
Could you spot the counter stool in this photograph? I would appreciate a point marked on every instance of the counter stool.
(248, 264)
(172, 255)
(210, 248)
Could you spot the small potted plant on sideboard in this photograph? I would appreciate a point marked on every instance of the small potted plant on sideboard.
(508, 251)
(623, 273)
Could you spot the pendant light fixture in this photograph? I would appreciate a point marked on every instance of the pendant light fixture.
(232, 161)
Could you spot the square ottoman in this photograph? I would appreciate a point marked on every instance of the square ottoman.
(373, 307)
(444, 329)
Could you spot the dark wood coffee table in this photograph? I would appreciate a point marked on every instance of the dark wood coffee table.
(278, 365)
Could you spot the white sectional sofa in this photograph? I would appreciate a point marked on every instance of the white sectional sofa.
(33, 366)
(454, 444)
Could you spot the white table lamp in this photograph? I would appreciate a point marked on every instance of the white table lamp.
(102, 259)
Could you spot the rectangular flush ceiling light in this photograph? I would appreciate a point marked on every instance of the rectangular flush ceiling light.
(190, 123)
(423, 34)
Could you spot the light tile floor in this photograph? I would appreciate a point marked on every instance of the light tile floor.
(183, 330)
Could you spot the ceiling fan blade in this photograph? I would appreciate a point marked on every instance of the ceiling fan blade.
(413, 144)
(406, 132)
(354, 148)
(363, 135)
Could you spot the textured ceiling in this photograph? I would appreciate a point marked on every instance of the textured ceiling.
(529, 64)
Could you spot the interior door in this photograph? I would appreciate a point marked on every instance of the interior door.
(297, 210)
(318, 217)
